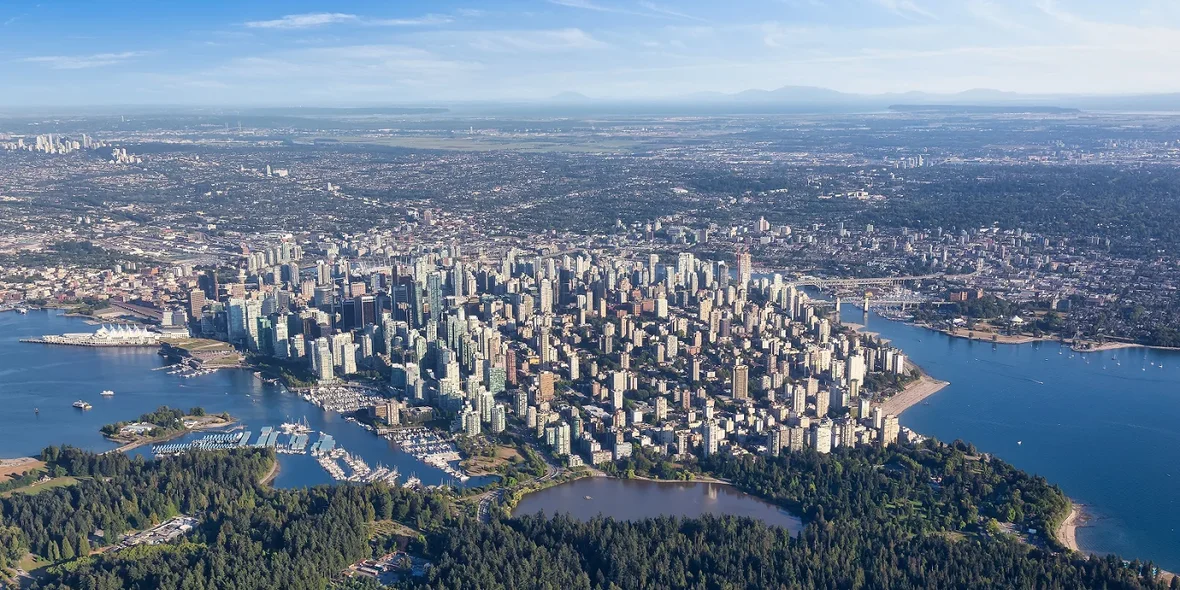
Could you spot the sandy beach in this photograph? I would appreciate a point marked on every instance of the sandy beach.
(1094, 347)
(913, 394)
(984, 336)
(1067, 531)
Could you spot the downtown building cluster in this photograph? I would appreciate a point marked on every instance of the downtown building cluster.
(594, 353)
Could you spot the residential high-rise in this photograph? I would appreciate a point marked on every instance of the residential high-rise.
(322, 360)
(741, 382)
(822, 441)
(546, 296)
(711, 436)
(822, 400)
(562, 445)
(484, 404)
(545, 382)
(434, 294)
(236, 319)
(521, 406)
(661, 409)
(575, 366)
(745, 268)
(798, 399)
(280, 346)
(499, 419)
(889, 430)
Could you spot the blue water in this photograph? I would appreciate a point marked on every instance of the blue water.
(1105, 426)
(630, 499)
(50, 378)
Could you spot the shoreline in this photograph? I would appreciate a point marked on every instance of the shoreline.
(271, 475)
(912, 395)
(1067, 532)
(127, 446)
(1027, 339)
(696, 478)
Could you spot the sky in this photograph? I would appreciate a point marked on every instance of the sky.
(302, 53)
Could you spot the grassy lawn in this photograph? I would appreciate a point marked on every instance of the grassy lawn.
(388, 528)
(31, 563)
(56, 482)
(487, 465)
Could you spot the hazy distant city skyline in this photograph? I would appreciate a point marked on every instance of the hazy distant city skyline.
(341, 53)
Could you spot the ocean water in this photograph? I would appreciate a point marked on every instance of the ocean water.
(50, 378)
(1105, 426)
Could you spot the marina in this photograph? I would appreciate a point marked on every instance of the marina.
(188, 372)
(343, 399)
(324, 449)
(430, 448)
(39, 384)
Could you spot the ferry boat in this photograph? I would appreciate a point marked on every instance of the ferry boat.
(81, 405)
(107, 393)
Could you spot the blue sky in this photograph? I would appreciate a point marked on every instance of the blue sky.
(324, 53)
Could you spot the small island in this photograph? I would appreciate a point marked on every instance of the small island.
(164, 423)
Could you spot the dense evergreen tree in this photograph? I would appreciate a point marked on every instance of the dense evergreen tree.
(900, 517)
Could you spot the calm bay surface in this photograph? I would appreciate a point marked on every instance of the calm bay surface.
(1105, 426)
(50, 378)
(630, 499)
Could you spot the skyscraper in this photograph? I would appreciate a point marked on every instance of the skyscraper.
(322, 360)
(546, 296)
(196, 303)
(741, 382)
(711, 436)
(745, 270)
(434, 294)
(889, 430)
(545, 386)
(499, 419)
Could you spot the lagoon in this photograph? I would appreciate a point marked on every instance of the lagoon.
(634, 499)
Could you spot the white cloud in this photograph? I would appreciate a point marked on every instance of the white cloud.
(991, 13)
(586, 5)
(430, 19)
(649, 9)
(303, 21)
(78, 62)
(905, 8)
(667, 11)
(532, 41)
(320, 19)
